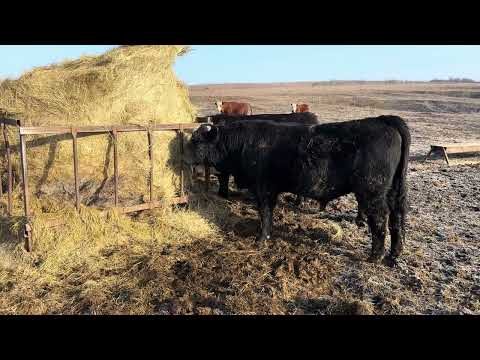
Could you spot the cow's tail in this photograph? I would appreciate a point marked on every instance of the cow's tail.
(398, 194)
(251, 110)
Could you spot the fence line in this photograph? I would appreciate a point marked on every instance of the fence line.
(81, 131)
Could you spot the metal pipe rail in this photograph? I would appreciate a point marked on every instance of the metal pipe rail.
(75, 133)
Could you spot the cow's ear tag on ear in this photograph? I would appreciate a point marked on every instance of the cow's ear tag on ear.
(210, 133)
(205, 129)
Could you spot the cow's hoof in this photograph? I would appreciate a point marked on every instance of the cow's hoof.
(262, 238)
(390, 261)
(374, 258)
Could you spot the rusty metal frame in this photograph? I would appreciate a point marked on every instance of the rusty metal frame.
(75, 133)
(8, 158)
(75, 168)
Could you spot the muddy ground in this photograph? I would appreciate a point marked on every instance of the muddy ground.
(316, 262)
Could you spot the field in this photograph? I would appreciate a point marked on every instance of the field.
(302, 272)
(205, 261)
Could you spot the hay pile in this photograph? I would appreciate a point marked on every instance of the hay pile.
(127, 85)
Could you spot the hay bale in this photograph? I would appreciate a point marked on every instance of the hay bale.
(76, 252)
(126, 85)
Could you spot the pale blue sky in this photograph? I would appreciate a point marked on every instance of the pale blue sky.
(266, 63)
(16, 59)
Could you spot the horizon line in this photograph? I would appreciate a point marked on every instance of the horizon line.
(455, 80)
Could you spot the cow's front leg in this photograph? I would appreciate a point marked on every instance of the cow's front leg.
(266, 204)
(223, 182)
(299, 200)
(322, 205)
(361, 219)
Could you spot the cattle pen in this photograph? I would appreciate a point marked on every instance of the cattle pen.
(72, 134)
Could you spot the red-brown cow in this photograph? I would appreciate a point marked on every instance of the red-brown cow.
(297, 108)
(234, 108)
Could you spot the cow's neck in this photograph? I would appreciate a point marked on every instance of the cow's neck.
(228, 151)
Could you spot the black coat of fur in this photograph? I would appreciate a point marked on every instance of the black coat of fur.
(306, 118)
(366, 157)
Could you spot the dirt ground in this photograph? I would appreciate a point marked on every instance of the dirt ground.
(316, 262)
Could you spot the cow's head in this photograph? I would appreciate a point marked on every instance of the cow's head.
(201, 148)
(294, 107)
(219, 105)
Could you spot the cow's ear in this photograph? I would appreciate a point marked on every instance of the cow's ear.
(210, 133)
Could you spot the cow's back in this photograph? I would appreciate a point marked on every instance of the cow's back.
(263, 147)
(306, 118)
(288, 153)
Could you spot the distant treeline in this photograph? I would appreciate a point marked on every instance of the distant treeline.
(451, 79)
(455, 80)
(319, 83)
(329, 82)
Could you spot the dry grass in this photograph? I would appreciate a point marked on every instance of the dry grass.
(88, 260)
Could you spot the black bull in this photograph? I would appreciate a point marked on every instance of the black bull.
(306, 118)
(366, 157)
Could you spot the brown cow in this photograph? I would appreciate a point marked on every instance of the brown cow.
(233, 108)
(297, 108)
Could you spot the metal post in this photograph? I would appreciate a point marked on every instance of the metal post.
(26, 194)
(150, 156)
(181, 161)
(207, 177)
(115, 165)
(9, 171)
(1, 175)
(75, 169)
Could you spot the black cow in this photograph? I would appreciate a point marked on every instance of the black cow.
(305, 118)
(366, 157)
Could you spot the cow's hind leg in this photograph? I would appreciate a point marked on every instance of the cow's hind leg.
(223, 185)
(397, 236)
(396, 225)
(266, 204)
(377, 213)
